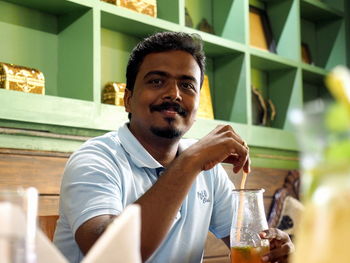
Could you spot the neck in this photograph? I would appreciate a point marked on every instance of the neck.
(164, 150)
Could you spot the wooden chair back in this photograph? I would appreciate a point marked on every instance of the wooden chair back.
(48, 225)
(42, 170)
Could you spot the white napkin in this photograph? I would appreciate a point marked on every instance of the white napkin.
(121, 240)
(12, 231)
(46, 250)
(119, 243)
(12, 220)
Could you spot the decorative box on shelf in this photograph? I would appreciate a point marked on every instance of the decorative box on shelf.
(113, 93)
(19, 78)
(147, 7)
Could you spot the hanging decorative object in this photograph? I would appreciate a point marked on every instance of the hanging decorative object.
(264, 110)
(259, 108)
(271, 110)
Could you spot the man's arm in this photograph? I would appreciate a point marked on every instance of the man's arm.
(162, 201)
(159, 206)
(87, 234)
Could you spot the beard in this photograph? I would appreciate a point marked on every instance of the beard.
(167, 132)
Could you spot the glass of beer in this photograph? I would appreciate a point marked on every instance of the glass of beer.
(248, 221)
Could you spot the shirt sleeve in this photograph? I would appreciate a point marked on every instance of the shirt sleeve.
(90, 186)
(220, 222)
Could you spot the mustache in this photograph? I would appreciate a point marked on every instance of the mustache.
(169, 105)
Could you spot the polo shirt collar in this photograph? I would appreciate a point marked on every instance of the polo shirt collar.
(134, 148)
(137, 152)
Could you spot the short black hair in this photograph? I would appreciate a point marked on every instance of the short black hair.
(161, 42)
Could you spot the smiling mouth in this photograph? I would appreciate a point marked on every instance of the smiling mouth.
(169, 109)
(169, 112)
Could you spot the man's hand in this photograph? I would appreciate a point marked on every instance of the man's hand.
(222, 144)
(280, 245)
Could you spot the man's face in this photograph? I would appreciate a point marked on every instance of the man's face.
(165, 98)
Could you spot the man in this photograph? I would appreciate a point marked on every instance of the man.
(180, 185)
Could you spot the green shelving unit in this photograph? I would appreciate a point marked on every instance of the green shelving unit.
(81, 45)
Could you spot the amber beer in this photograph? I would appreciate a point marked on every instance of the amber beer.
(248, 254)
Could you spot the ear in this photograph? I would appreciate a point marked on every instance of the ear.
(127, 100)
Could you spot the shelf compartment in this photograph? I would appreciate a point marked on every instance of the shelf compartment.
(221, 16)
(55, 7)
(115, 50)
(277, 82)
(59, 44)
(314, 86)
(338, 5)
(227, 76)
(282, 15)
(315, 10)
(126, 21)
(166, 10)
(169, 10)
(323, 32)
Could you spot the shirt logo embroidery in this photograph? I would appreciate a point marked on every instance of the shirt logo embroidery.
(203, 196)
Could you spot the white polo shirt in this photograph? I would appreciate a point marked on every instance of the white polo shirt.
(112, 171)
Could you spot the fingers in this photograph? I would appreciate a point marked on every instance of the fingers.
(246, 167)
(274, 233)
(227, 147)
(277, 254)
(280, 245)
(224, 128)
(243, 160)
(240, 150)
(280, 260)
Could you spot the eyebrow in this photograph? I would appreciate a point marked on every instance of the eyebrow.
(165, 74)
(156, 72)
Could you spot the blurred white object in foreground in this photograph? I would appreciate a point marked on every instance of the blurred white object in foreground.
(119, 243)
(12, 233)
(121, 240)
(324, 232)
(18, 213)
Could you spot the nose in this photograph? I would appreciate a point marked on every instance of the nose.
(172, 92)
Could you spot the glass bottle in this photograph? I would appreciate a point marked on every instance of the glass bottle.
(248, 221)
